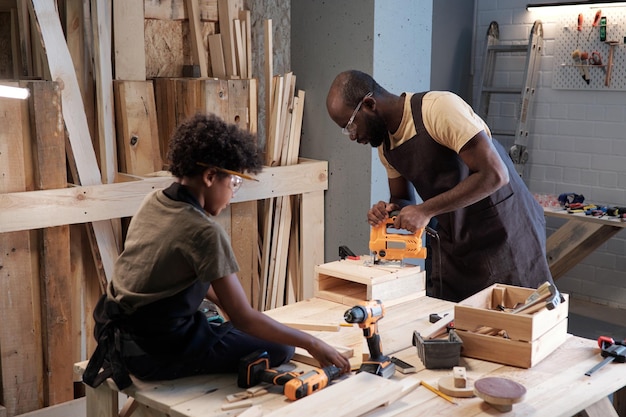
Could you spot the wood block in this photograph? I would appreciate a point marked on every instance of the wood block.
(446, 385)
(500, 393)
(351, 281)
(460, 378)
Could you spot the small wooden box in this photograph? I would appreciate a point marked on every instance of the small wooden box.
(352, 281)
(531, 337)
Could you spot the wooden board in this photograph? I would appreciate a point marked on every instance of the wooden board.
(81, 54)
(175, 10)
(101, 15)
(36, 209)
(198, 53)
(164, 94)
(137, 131)
(128, 40)
(83, 155)
(574, 241)
(216, 54)
(48, 138)
(227, 11)
(246, 27)
(373, 391)
(20, 345)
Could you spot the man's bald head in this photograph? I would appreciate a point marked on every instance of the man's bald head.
(346, 91)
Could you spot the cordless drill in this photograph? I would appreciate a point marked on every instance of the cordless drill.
(310, 382)
(254, 369)
(366, 315)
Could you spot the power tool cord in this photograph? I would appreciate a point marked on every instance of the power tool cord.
(433, 233)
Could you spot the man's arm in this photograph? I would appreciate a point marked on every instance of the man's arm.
(487, 174)
(401, 192)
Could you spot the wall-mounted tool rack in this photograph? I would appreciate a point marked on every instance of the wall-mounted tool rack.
(568, 74)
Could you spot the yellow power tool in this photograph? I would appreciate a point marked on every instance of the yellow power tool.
(389, 243)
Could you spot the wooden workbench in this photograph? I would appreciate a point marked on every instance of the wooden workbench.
(577, 238)
(556, 386)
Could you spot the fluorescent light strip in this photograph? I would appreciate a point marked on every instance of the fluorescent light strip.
(14, 92)
(572, 4)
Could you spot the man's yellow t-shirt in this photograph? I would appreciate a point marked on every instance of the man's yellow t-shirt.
(447, 118)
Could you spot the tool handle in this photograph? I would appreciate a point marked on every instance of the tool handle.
(374, 345)
(616, 352)
(274, 377)
(605, 341)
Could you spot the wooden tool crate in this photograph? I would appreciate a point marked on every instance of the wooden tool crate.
(531, 337)
(351, 281)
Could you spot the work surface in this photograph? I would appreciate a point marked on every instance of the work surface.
(555, 387)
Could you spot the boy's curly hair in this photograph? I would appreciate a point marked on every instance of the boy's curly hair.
(209, 140)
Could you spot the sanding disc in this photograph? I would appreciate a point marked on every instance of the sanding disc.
(446, 385)
(501, 393)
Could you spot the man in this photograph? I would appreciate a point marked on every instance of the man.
(489, 227)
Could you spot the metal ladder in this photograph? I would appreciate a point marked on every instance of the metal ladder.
(518, 151)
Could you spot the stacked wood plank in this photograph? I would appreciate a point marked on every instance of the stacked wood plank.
(280, 264)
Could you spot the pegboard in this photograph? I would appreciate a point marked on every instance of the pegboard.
(567, 74)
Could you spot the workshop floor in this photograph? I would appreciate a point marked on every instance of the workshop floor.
(591, 320)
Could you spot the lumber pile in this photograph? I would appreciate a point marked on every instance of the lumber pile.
(109, 80)
(280, 238)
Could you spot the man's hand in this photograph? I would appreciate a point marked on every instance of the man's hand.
(379, 212)
(411, 218)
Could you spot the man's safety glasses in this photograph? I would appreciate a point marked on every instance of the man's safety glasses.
(350, 128)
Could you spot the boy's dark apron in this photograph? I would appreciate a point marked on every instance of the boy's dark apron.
(144, 343)
(498, 239)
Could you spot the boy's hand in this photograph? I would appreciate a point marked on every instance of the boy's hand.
(326, 355)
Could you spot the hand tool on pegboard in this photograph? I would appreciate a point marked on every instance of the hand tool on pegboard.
(609, 64)
(596, 22)
(579, 28)
(581, 67)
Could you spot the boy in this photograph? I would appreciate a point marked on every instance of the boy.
(148, 323)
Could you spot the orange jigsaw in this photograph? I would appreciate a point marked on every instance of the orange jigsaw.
(389, 243)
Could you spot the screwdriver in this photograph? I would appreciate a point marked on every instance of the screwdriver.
(612, 353)
(596, 20)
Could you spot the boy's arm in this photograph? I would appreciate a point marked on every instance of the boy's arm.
(211, 296)
(253, 322)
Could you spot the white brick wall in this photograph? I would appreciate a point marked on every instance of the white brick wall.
(577, 143)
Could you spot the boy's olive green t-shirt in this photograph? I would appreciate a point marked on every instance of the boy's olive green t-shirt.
(169, 245)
